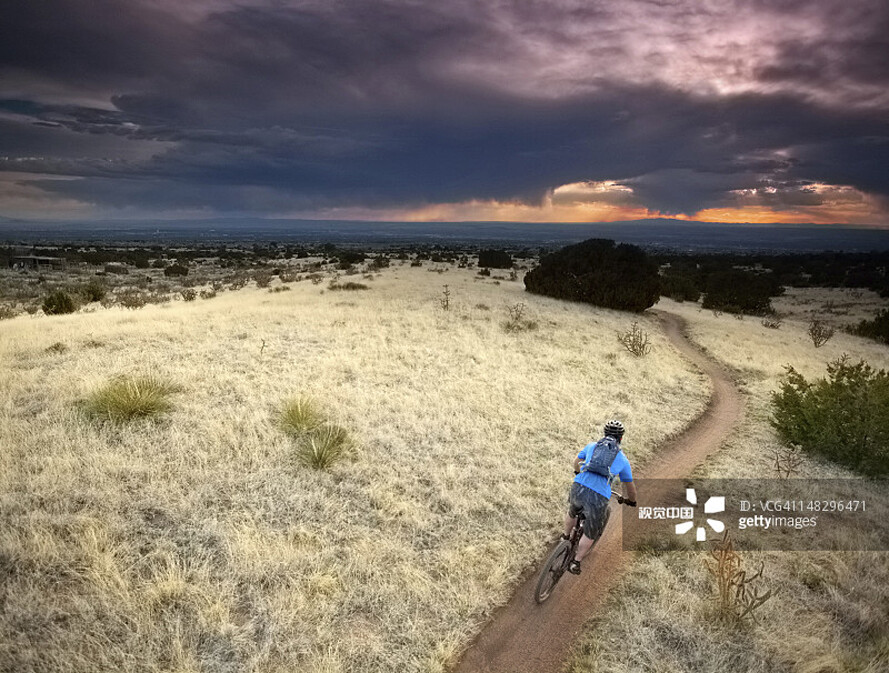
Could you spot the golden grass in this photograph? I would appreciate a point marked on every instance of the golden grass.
(837, 306)
(829, 611)
(199, 544)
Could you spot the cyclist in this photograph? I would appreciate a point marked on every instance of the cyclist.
(591, 489)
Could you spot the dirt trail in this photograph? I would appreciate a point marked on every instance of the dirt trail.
(526, 637)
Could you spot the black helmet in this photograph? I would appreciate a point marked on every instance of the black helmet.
(614, 429)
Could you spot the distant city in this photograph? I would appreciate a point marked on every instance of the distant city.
(658, 234)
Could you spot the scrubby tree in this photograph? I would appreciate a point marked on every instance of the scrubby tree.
(59, 302)
(495, 259)
(598, 272)
(820, 332)
(739, 291)
(679, 287)
(877, 329)
(93, 290)
(349, 257)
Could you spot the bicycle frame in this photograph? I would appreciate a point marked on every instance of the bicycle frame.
(560, 558)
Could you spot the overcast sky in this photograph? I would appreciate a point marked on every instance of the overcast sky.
(555, 110)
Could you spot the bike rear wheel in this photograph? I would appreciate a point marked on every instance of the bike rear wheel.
(552, 571)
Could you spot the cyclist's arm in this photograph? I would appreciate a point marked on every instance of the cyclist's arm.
(578, 461)
(626, 479)
(629, 489)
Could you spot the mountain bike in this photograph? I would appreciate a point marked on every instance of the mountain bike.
(558, 561)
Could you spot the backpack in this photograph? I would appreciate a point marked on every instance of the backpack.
(601, 457)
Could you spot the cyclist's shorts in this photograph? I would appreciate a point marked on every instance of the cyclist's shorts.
(594, 507)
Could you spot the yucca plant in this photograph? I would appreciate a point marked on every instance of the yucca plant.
(300, 416)
(324, 446)
(126, 398)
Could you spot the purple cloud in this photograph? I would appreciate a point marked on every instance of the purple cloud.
(260, 106)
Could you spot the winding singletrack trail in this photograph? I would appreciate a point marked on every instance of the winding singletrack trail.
(525, 637)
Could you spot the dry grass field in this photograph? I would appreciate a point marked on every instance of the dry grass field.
(842, 307)
(198, 541)
(829, 612)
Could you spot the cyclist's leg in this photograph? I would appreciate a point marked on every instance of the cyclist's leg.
(596, 516)
(583, 548)
(574, 507)
(569, 523)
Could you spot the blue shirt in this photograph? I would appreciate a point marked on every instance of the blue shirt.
(598, 483)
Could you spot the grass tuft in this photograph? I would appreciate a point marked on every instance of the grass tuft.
(300, 416)
(127, 398)
(57, 347)
(324, 446)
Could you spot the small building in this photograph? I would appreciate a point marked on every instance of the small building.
(34, 262)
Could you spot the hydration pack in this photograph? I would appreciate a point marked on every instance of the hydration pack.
(601, 457)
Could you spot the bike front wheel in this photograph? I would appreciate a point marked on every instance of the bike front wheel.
(552, 571)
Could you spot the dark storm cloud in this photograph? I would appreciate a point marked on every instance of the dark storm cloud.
(267, 107)
(93, 43)
(855, 45)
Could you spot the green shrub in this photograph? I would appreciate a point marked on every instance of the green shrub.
(176, 270)
(94, 290)
(59, 302)
(132, 299)
(189, 294)
(877, 329)
(598, 272)
(495, 259)
(323, 446)
(300, 416)
(844, 417)
(126, 398)
(350, 257)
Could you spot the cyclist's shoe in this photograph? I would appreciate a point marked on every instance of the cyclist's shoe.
(565, 537)
(574, 567)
